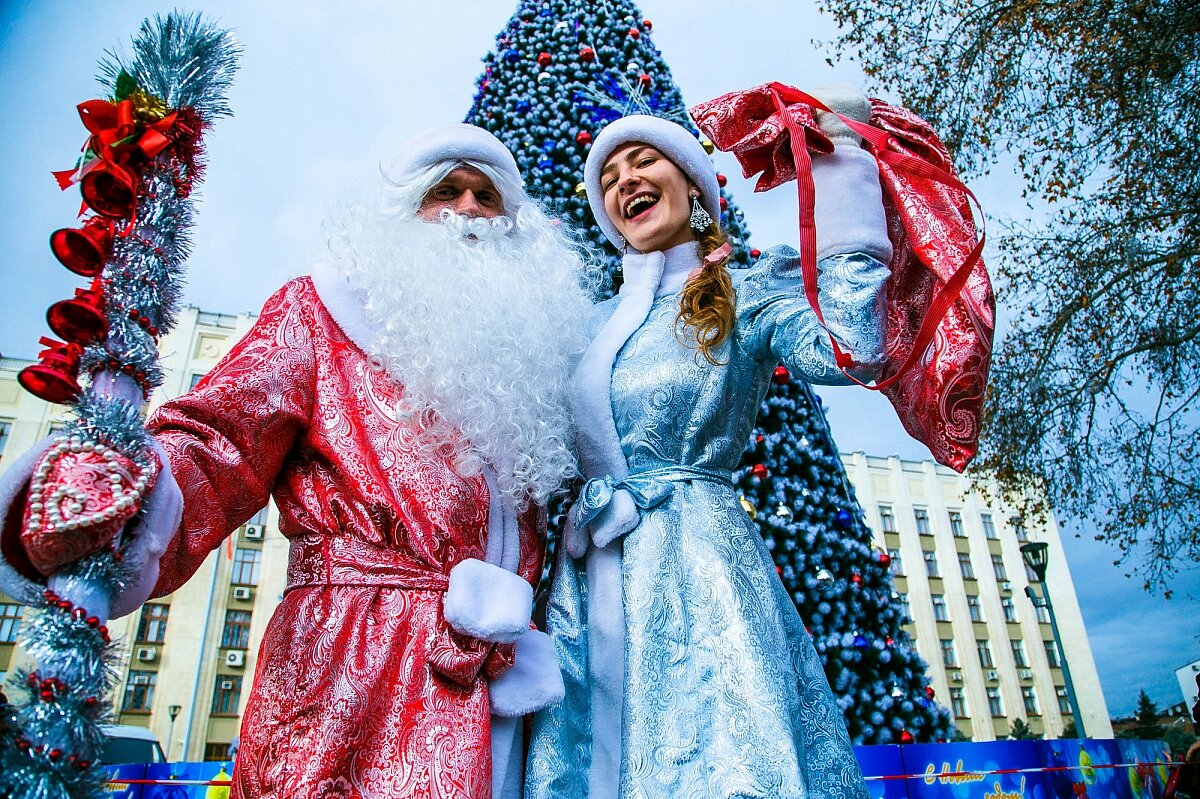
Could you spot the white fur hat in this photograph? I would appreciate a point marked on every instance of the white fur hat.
(672, 140)
(459, 142)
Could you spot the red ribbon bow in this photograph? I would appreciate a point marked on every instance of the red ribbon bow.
(117, 137)
(940, 303)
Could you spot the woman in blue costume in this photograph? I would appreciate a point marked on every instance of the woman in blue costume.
(688, 671)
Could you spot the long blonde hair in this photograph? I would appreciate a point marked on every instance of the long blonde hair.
(707, 305)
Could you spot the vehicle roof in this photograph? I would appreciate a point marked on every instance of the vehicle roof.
(128, 731)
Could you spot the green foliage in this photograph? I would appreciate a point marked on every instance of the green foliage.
(1020, 731)
(1179, 739)
(1147, 728)
(1095, 387)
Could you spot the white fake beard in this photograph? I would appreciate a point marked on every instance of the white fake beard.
(481, 321)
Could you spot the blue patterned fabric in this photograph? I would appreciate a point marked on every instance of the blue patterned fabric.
(724, 693)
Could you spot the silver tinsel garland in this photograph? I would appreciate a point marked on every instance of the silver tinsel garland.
(49, 745)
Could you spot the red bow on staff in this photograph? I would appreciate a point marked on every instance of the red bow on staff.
(941, 309)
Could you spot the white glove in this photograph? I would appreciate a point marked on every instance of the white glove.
(846, 100)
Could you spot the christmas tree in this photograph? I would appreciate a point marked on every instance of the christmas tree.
(561, 71)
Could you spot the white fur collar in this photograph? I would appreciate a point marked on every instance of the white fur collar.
(344, 304)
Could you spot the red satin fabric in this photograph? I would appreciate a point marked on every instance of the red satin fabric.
(940, 399)
(361, 689)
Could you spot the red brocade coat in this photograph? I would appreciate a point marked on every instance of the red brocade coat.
(361, 690)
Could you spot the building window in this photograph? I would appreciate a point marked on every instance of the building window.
(258, 518)
(245, 566)
(1018, 525)
(226, 694)
(152, 626)
(139, 690)
(984, 648)
(5, 431)
(1030, 698)
(1052, 654)
(215, 751)
(964, 565)
(998, 566)
(10, 622)
(956, 525)
(940, 613)
(1030, 574)
(887, 518)
(901, 602)
(896, 567)
(236, 634)
(1064, 701)
(922, 517)
(1043, 615)
(931, 564)
(995, 703)
(974, 607)
(196, 378)
(989, 528)
(1010, 609)
(949, 655)
(958, 703)
(1019, 656)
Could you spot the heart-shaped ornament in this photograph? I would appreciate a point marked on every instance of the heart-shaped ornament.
(81, 495)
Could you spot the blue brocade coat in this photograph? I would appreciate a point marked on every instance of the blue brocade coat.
(724, 695)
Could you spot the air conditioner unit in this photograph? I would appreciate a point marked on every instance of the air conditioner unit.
(235, 658)
(1025, 674)
(991, 675)
(147, 654)
(254, 532)
(956, 676)
(243, 592)
(1006, 586)
(226, 685)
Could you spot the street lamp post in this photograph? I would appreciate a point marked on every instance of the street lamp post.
(1035, 556)
(173, 712)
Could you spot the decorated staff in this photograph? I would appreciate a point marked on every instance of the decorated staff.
(93, 486)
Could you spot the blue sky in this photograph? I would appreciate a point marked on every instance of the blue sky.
(328, 90)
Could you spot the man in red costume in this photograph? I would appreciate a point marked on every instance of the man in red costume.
(403, 406)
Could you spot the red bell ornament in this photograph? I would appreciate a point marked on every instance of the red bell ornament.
(80, 320)
(55, 378)
(84, 250)
(110, 190)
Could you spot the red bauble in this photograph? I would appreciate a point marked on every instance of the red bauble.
(647, 24)
(755, 253)
(906, 737)
(781, 376)
(583, 137)
(724, 204)
(760, 438)
(759, 470)
(890, 640)
(856, 578)
(84, 250)
(721, 180)
(645, 80)
(885, 559)
(587, 55)
(544, 59)
(110, 190)
(634, 33)
(929, 692)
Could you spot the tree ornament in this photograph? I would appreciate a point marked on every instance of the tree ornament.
(110, 190)
(581, 189)
(856, 578)
(861, 643)
(721, 180)
(645, 80)
(648, 25)
(929, 692)
(760, 438)
(634, 33)
(823, 576)
(755, 253)
(889, 640)
(906, 737)
(844, 519)
(587, 55)
(55, 378)
(781, 376)
(760, 471)
(583, 137)
(748, 506)
(544, 59)
(84, 250)
(885, 559)
(783, 511)
(633, 66)
(896, 692)
(561, 26)
(543, 77)
(512, 56)
(707, 145)
(80, 320)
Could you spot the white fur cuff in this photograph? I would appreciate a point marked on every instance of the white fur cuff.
(849, 210)
(488, 602)
(14, 484)
(534, 681)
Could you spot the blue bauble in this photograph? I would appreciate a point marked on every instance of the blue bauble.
(522, 106)
(861, 642)
(512, 56)
(844, 518)
(545, 162)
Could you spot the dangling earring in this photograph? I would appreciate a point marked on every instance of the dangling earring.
(699, 220)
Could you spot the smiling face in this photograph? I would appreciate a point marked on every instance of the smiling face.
(466, 191)
(647, 198)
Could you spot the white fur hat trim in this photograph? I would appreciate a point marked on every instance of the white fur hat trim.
(453, 142)
(670, 139)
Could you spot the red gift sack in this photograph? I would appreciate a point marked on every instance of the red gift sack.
(941, 308)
